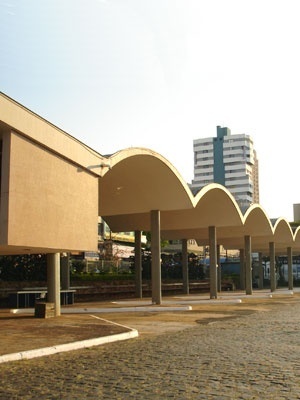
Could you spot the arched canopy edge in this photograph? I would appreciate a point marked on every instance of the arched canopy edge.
(217, 187)
(257, 222)
(120, 155)
(283, 232)
(140, 180)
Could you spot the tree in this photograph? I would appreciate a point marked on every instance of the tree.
(25, 267)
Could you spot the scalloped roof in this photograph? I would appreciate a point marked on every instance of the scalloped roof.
(134, 181)
(141, 180)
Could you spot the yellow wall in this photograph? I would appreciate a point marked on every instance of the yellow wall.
(52, 204)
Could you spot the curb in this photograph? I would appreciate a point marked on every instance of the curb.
(82, 344)
(46, 351)
(79, 310)
(181, 304)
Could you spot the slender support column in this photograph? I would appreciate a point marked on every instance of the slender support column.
(242, 269)
(219, 271)
(185, 267)
(65, 271)
(155, 253)
(53, 281)
(253, 271)
(290, 268)
(261, 271)
(138, 264)
(248, 264)
(213, 261)
(272, 267)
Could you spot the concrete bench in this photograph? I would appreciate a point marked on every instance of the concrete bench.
(28, 298)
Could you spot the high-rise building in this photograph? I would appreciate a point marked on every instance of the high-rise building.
(229, 160)
(296, 212)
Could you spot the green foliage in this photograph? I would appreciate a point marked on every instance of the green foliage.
(234, 278)
(163, 243)
(77, 266)
(26, 267)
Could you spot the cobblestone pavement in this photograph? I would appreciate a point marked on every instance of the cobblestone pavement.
(253, 356)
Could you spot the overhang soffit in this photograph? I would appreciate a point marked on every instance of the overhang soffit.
(140, 180)
(297, 238)
(215, 206)
(128, 222)
(201, 234)
(239, 243)
(261, 244)
(257, 223)
(283, 232)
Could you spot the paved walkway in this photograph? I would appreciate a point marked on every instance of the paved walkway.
(23, 333)
(249, 350)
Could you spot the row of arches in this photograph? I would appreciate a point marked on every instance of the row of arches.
(54, 187)
(142, 191)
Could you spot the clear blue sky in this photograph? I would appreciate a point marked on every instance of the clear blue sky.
(160, 73)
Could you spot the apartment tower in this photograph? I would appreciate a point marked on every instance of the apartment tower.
(229, 160)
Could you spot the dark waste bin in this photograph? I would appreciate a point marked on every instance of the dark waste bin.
(44, 310)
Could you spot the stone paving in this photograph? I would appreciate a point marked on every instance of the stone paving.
(253, 356)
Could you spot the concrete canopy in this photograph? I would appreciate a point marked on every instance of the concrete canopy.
(123, 188)
(296, 237)
(260, 228)
(282, 236)
(213, 206)
(138, 181)
(255, 224)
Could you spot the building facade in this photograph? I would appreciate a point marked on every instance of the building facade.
(296, 208)
(229, 160)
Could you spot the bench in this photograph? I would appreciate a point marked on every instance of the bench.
(27, 298)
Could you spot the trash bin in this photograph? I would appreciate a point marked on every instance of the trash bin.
(44, 310)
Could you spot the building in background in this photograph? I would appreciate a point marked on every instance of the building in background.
(296, 212)
(229, 160)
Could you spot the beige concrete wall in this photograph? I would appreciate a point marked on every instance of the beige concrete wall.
(38, 129)
(5, 160)
(52, 204)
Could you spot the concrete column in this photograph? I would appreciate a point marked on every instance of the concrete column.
(185, 267)
(65, 271)
(156, 257)
(272, 267)
(53, 281)
(290, 268)
(248, 264)
(213, 261)
(260, 271)
(219, 271)
(253, 270)
(242, 269)
(138, 264)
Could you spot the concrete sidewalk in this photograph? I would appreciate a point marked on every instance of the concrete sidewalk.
(90, 324)
(80, 325)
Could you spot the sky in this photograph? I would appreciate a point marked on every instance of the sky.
(159, 74)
